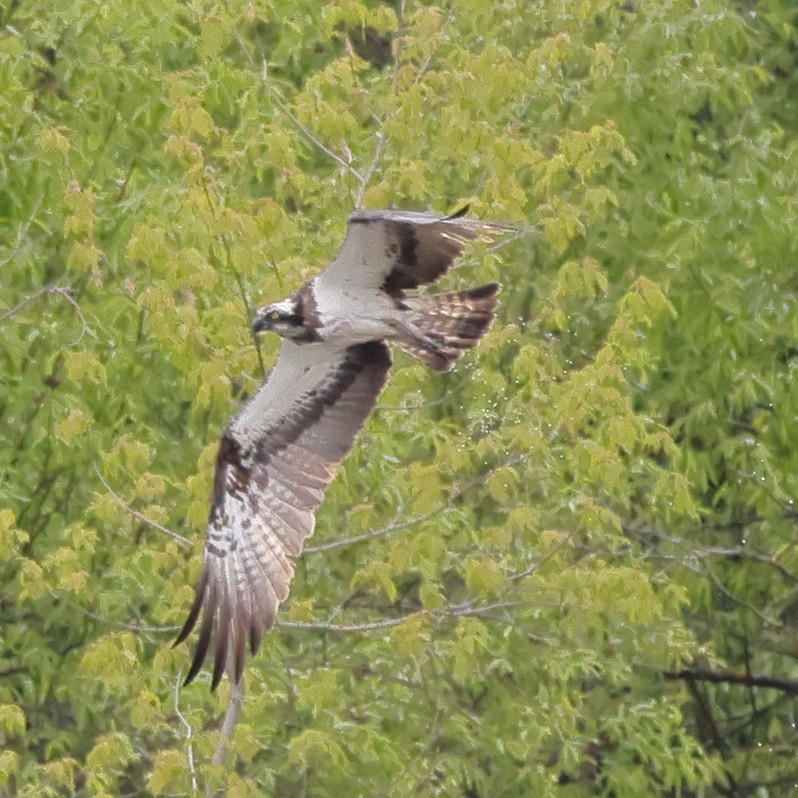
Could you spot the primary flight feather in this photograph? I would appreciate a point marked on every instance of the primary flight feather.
(279, 452)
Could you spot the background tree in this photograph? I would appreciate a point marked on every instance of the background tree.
(567, 569)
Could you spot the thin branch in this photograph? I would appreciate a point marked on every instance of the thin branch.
(21, 304)
(789, 686)
(535, 565)
(422, 70)
(138, 628)
(228, 727)
(337, 544)
(247, 308)
(736, 599)
(66, 293)
(62, 291)
(277, 100)
(187, 727)
(394, 525)
(467, 608)
(363, 184)
(788, 505)
(22, 230)
(320, 626)
(131, 626)
(400, 41)
(513, 234)
(381, 532)
(711, 551)
(239, 280)
(136, 514)
(758, 556)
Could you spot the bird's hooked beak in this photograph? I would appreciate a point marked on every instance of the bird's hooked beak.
(264, 319)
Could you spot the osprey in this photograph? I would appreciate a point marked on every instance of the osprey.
(277, 455)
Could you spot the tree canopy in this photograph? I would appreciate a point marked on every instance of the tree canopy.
(570, 567)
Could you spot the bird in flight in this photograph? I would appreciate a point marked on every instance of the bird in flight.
(278, 454)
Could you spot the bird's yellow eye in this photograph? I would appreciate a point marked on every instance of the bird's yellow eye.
(274, 315)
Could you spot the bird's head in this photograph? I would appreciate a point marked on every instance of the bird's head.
(283, 317)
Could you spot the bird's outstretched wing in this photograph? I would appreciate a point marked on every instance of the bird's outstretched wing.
(396, 250)
(276, 459)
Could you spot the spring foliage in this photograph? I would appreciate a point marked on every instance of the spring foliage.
(600, 496)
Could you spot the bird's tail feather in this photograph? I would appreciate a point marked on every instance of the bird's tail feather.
(445, 325)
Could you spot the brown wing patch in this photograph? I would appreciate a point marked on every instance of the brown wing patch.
(420, 247)
(263, 508)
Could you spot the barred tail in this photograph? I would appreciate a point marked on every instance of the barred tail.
(448, 324)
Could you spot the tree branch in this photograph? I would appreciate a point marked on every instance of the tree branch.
(228, 727)
(138, 628)
(451, 611)
(189, 732)
(366, 179)
(789, 686)
(62, 291)
(136, 514)
(277, 100)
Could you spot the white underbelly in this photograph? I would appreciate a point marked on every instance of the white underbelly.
(348, 332)
(354, 318)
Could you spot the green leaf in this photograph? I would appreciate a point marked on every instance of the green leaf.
(312, 745)
(12, 719)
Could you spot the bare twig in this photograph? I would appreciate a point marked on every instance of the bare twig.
(136, 514)
(187, 727)
(469, 608)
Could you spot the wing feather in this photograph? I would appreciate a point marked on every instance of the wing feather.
(275, 461)
(398, 250)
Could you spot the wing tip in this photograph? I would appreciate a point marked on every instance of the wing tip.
(196, 606)
(458, 214)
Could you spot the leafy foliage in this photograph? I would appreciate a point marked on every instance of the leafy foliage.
(532, 574)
